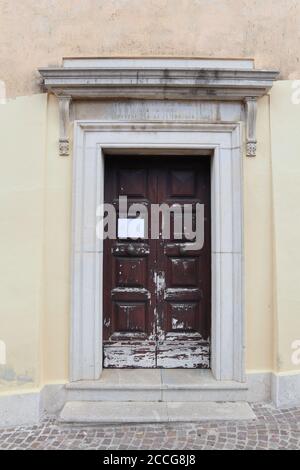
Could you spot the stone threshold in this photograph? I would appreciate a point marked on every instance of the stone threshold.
(153, 379)
(95, 413)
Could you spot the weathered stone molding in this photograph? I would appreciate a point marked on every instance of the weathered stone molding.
(159, 79)
(194, 83)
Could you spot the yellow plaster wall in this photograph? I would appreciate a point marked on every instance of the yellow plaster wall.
(35, 240)
(285, 137)
(58, 190)
(258, 248)
(23, 126)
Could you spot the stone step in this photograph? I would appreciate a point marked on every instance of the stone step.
(143, 394)
(155, 385)
(95, 413)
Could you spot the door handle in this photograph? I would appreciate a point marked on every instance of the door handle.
(183, 249)
(131, 249)
(187, 247)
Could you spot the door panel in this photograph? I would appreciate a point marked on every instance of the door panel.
(184, 307)
(129, 296)
(157, 291)
(183, 272)
(130, 272)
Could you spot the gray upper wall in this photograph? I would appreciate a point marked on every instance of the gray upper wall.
(39, 33)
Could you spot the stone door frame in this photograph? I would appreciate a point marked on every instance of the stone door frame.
(95, 139)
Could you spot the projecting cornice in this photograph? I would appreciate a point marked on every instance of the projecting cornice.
(157, 83)
(177, 79)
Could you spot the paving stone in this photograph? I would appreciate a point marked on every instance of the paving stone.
(272, 429)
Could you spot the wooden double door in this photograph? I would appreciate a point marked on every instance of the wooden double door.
(157, 291)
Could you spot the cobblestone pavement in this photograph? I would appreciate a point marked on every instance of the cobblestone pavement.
(273, 429)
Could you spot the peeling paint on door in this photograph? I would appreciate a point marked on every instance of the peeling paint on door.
(157, 291)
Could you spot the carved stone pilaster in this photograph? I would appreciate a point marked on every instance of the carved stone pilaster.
(64, 121)
(251, 113)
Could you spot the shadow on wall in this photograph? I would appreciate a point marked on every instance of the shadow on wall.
(8, 374)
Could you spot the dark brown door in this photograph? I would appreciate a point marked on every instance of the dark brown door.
(157, 291)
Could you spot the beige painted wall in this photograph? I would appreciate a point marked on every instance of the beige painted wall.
(35, 33)
(285, 133)
(35, 213)
(258, 246)
(35, 237)
(23, 127)
(57, 250)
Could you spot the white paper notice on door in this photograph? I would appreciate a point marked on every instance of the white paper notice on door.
(131, 228)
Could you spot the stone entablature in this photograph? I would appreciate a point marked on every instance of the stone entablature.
(158, 79)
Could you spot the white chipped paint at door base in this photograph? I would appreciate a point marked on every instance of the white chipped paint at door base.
(160, 350)
(166, 355)
(169, 356)
(140, 355)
